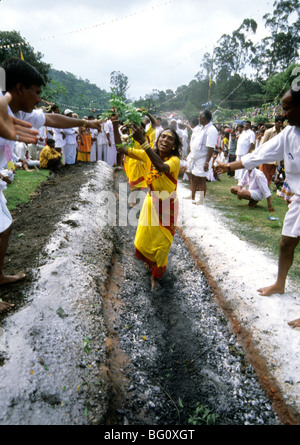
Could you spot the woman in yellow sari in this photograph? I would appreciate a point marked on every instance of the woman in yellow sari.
(156, 228)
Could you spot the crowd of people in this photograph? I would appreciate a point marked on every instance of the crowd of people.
(203, 150)
(62, 146)
(269, 111)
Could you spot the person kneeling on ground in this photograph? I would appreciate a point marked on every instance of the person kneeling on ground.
(50, 158)
(253, 186)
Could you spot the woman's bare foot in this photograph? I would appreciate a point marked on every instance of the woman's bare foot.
(147, 267)
(154, 284)
(11, 279)
(295, 323)
(5, 306)
(267, 291)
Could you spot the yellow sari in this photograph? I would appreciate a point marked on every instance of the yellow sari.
(151, 135)
(157, 221)
(137, 170)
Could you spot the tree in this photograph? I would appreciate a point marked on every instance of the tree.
(234, 51)
(82, 97)
(207, 67)
(277, 84)
(13, 45)
(119, 84)
(53, 90)
(278, 50)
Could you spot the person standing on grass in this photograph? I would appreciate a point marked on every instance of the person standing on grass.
(199, 161)
(232, 149)
(285, 146)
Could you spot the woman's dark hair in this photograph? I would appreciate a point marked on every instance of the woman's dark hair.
(19, 71)
(178, 144)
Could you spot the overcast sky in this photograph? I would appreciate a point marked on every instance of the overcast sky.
(156, 44)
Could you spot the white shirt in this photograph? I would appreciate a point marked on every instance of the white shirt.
(203, 138)
(245, 139)
(108, 128)
(70, 136)
(42, 135)
(58, 137)
(101, 136)
(37, 119)
(255, 181)
(285, 146)
(20, 150)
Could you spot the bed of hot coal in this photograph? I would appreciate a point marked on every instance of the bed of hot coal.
(174, 358)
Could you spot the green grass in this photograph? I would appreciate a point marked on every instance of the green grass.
(23, 186)
(251, 224)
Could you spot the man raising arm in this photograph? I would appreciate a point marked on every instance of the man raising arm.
(284, 146)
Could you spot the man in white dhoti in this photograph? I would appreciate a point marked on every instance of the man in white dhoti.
(102, 144)
(199, 161)
(285, 146)
(112, 150)
(70, 147)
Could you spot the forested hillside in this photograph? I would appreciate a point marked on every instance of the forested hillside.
(80, 95)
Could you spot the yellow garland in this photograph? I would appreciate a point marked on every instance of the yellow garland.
(154, 173)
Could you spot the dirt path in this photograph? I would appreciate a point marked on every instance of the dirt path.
(154, 359)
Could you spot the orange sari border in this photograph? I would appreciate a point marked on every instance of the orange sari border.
(133, 183)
